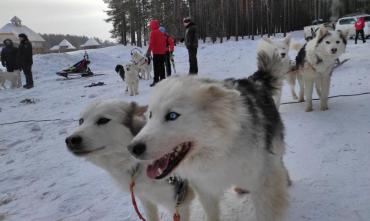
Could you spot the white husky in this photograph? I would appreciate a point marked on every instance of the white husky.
(315, 63)
(219, 134)
(281, 48)
(106, 128)
(132, 79)
(142, 63)
(14, 78)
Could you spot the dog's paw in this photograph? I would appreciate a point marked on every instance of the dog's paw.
(308, 109)
(324, 108)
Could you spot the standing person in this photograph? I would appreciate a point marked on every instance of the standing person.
(360, 25)
(9, 56)
(157, 46)
(170, 48)
(25, 60)
(191, 43)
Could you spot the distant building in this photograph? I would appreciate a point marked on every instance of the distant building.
(15, 27)
(63, 46)
(90, 44)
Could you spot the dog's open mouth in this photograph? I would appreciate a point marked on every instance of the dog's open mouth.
(163, 166)
(81, 152)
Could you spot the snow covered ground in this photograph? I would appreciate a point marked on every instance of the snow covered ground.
(328, 152)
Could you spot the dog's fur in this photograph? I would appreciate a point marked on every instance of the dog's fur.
(106, 128)
(129, 74)
(229, 133)
(314, 65)
(14, 78)
(281, 48)
(142, 63)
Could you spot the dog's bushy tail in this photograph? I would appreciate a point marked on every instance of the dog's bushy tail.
(271, 68)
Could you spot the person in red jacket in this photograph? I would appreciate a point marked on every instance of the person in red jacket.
(170, 44)
(360, 25)
(157, 46)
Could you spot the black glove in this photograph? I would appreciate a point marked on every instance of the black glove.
(148, 54)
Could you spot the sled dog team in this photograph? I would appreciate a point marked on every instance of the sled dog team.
(204, 136)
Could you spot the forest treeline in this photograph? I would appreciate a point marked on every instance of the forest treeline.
(219, 19)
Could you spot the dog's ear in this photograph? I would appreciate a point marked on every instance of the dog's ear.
(344, 34)
(322, 32)
(213, 93)
(267, 40)
(287, 39)
(138, 110)
(135, 120)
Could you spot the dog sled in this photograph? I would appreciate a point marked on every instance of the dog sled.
(80, 69)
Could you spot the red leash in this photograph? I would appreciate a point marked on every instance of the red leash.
(176, 216)
(132, 185)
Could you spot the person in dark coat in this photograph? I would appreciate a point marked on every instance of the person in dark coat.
(191, 43)
(9, 56)
(157, 46)
(25, 60)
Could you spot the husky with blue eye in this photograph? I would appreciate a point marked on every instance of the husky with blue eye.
(219, 134)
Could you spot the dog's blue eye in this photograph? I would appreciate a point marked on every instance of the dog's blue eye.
(172, 116)
(102, 121)
(80, 121)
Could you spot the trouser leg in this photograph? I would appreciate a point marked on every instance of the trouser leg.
(193, 61)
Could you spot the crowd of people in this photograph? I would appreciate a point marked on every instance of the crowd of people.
(13, 58)
(161, 48)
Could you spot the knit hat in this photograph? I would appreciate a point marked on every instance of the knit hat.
(186, 20)
(22, 35)
(162, 29)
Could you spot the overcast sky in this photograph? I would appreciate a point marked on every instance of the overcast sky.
(77, 17)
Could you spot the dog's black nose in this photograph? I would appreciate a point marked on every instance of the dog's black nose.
(334, 50)
(73, 141)
(283, 55)
(137, 149)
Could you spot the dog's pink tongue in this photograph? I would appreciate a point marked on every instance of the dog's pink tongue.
(154, 170)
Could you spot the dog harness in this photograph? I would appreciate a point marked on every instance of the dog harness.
(180, 187)
(145, 61)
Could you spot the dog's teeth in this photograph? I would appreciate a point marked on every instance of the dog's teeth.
(160, 171)
(178, 148)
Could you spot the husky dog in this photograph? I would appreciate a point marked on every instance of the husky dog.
(131, 78)
(142, 63)
(121, 71)
(14, 78)
(315, 62)
(281, 48)
(106, 128)
(219, 134)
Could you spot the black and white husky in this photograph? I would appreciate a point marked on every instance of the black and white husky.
(105, 129)
(314, 65)
(219, 134)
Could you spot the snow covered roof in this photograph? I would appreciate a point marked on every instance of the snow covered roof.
(17, 28)
(66, 44)
(63, 45)
(90, 42)
(54, 48)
